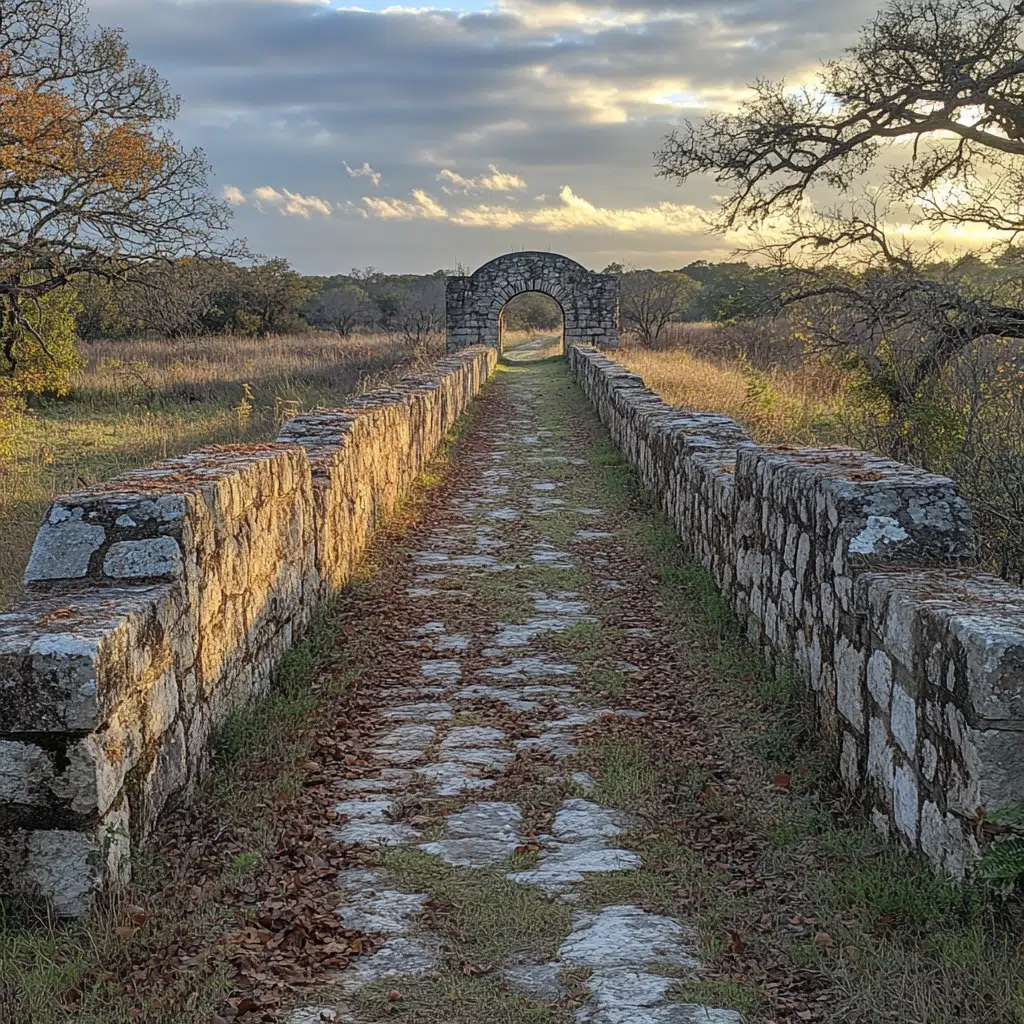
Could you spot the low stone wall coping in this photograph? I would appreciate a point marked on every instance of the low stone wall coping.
(162, 600)
(855, 572)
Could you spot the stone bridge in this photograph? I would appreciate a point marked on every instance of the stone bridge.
(589, 301)
(535, 689)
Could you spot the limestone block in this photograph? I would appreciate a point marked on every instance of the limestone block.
(929, 760)
(905, 802)
(993, 641)
(156, 557)
(903, 720)
(880, 762)
(879, 677)
(64, 546)
(67, 660)
(849, 669)
(945, 841)
(26, 771)
(994, 762)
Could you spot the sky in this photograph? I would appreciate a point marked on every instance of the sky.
(413, 139)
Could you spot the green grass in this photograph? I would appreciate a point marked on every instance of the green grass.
(137, 402)
(624, 775)
(488, 918)
(452, 996)
(600, 680)
(743, 996)
(271, 720)
(508, 596)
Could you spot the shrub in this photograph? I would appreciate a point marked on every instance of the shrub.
(45, 354)
(45, 360)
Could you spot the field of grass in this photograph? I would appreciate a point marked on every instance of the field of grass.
(139, 401)
(808, 406)
(524, 346)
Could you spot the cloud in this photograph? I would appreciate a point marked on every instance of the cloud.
(496, 181)
(498, 217)
(576, 212)
(366, 171)
(577, 91)
(423, 206)
(571, 213)
(288, 203)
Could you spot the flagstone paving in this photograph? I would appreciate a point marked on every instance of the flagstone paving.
(498, 672)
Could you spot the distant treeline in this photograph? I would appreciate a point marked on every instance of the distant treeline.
(214, 296)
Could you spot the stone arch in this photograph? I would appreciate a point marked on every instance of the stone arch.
(589, 301)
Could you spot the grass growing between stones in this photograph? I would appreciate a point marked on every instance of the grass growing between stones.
(488, 919)
(451, 996)
(591, 646)
(807, 914)
(625, 776)
(486, 922)
(508, 596)
(174, 947)
(804, 913)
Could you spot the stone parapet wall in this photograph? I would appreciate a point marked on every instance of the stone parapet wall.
(162, 600)
(856, 572)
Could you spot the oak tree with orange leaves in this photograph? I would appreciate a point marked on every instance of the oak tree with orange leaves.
(91, 180)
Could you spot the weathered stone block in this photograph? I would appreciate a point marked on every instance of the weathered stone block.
(64, 546)
(156, 557)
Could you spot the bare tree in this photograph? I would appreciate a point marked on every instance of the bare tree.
(342, 309)
(91, 180)
(177, 299)
(946, 79)
(413, 310)
(649, 301)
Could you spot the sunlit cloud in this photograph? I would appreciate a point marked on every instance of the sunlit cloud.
(498, 217)
(581, 17)
(235, 196)
(289, 204)
(366, 171)
(496, 181)
(571, 213)
(575, 212)
(423, 206)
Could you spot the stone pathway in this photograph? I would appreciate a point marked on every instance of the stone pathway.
(491, 686)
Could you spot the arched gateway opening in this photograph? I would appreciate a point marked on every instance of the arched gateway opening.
(589, 301)
(531, 327)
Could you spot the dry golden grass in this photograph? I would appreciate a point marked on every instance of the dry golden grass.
(139, 401)
(524, 346)
(777, 407)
